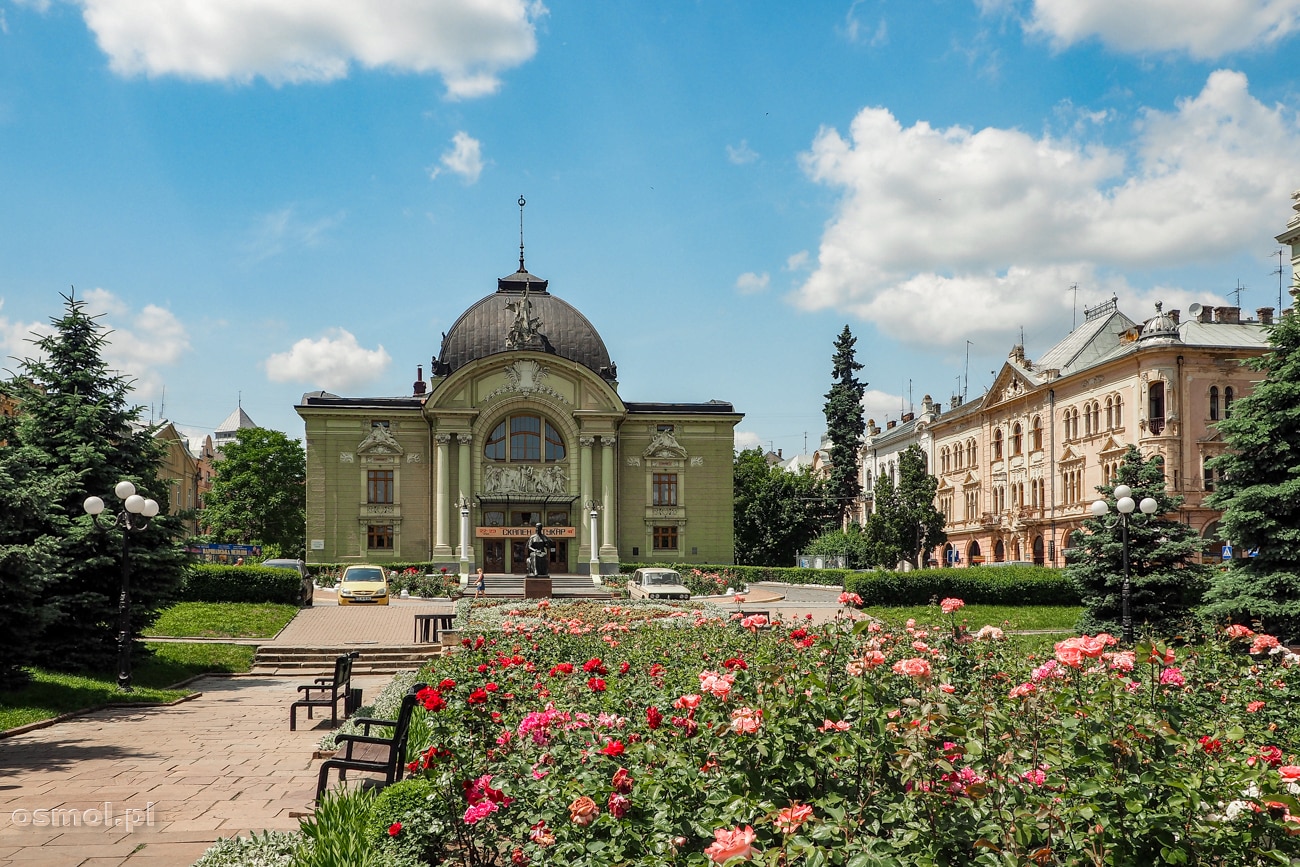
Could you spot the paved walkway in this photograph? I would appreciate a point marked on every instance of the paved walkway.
(172, 780)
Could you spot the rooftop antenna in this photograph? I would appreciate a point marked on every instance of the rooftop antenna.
(805, 442)
(1022, 337)
(1278, 271)
(1236, 293)
(522, 202)
(162, 403)
(1074, 314)
(910, 406)
(966, 380)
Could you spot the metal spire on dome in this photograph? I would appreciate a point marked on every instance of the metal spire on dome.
(522, 202)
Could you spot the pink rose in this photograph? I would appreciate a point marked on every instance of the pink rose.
(746, 720)
(914, 667)
(731, 843)
(950, 605)
(1289, 773)
(583, 811)
(1252, 707)
(787, 821)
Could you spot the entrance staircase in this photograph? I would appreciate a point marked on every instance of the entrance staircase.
(562, 587)
(309, 662)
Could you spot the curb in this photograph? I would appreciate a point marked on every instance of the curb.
(46, 723)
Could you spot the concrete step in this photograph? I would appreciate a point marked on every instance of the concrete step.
(319, 661)
(562, 586)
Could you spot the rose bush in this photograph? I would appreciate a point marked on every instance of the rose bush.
(849, 744)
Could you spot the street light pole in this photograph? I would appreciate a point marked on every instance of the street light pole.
(1124, 505)
(594, 512)
(134, 517)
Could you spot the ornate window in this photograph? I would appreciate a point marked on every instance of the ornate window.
(665, 538)
(997, 444)
(1017, 439)
(379, 537)
(379, 486)
(1227, 402)
(527, 439)
(1214, 403)
(664, 489)
(970, 452)
(1036, 435)
(1156, 407)
(1119, 411)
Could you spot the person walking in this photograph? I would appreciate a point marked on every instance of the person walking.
(481, 586)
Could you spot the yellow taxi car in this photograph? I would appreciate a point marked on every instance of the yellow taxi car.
(363, 585)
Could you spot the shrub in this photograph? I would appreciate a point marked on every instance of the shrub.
(1004, 585)
(206, 582)
(270, 849)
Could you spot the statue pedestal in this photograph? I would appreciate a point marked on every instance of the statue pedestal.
(537, 588)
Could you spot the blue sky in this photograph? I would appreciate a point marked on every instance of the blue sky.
(271, 197)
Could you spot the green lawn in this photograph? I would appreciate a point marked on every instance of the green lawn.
(50, 694)
(1055, 617)
(222, 620)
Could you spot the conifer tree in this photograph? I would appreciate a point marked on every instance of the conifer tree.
(75, 435)
(1260, 491)
(845, 424)
(1167, 579)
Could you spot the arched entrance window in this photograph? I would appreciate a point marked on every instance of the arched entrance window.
(973, 555)
(947, 554)
(1038, 551)
(1213, 551)
(1156, 407)
(526, 439)
(999, 552)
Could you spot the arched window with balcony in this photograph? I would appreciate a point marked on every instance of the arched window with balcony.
(1214, 403)
(1156, 407)
(997, 444)
(1017, 439)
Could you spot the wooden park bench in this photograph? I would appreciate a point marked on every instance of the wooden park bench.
(427, 626)
(371, 752)
(328, 692)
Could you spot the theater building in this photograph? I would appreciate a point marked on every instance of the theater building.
(520, 422)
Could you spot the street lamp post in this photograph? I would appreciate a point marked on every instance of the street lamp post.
(135, 516)
(1124, 505)
(594, 512)
(464, 540)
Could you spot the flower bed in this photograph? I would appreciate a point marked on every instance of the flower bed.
(621, 743)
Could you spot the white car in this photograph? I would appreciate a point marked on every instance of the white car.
(656, 584)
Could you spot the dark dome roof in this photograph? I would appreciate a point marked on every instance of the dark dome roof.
(482, 330)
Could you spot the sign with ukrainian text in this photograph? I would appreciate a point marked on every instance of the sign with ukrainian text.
(523, 532)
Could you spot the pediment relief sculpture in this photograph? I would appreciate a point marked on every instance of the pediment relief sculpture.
(664, 445)
(380, 442)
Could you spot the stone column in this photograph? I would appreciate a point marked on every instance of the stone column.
(442, 505)
(608, 550)
(584, 480)
(464, 441)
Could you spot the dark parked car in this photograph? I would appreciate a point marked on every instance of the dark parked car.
(304, 595)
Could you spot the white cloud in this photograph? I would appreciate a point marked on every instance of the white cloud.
(1203, 28)
(136, 344)
(467, 42)
(859, 32)
(880, 405)
(942, 234)
(464, 158)
(797, 261)
(742, 154)
(16, 337)
(744, 439)
(335, 362)
(286, 229)
(750, 283)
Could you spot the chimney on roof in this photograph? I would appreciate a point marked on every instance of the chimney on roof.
(891, 424)
(908, 416)
(1206, 314)
(1227, 315)
(1265, 315)
(418, 388)
(1174, 314)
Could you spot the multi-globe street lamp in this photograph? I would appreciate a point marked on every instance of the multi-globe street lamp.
(1124, 505)
(134, 516)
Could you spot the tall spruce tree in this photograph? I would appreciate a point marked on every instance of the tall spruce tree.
(845, 424)
(1260, 491)
(905, 513)
(1167, 579)
(74, 434)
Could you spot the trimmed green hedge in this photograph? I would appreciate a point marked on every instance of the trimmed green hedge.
(209, 582)
(1001, 585)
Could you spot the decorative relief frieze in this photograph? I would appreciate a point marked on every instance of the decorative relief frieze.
(697, 462)
(525, 377)
(524, 479)
(414, 458)
(634, 462)
(379, 442)
(664, 445)
(346, 457)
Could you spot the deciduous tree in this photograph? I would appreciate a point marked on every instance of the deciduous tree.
(906, 521)
(776, 512)
(259, 492)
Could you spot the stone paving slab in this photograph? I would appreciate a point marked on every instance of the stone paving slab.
(171, 780)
